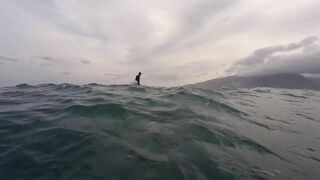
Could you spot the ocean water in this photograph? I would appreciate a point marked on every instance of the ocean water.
(95, 132)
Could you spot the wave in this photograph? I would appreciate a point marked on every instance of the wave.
(65, 131)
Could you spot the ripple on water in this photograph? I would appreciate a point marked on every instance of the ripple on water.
(95, 131)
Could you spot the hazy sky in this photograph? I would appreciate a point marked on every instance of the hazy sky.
(170, 42)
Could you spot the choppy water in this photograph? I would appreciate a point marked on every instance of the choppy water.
(96, 132)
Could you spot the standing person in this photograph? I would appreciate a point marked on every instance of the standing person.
(138, 78)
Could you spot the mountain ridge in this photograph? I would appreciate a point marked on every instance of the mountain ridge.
(286, 81)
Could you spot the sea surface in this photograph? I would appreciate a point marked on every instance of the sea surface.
(127, 132)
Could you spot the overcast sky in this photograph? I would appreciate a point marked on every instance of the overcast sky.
(170, 42)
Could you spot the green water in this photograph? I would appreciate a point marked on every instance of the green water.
(95, 132)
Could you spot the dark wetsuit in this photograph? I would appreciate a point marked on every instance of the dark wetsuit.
(138, 78)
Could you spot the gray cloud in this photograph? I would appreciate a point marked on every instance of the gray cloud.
(46, 58)
(111, 74)
(162, 38)
(66, 73)
(45, 65)
(268, 60)
(190, 22)
(116, 77)
(165, 77)
(261, 55)
(3, 58)
(85, 61)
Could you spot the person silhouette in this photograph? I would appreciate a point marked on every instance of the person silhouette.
(138, 78)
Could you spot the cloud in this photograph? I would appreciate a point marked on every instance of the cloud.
(46, 58)
(66, 73)
(3, 58)
(111, 74)
(261, 55)
(85, 61)
(164, 77)
(46, 65)
(282, 59)
(164, 39)
(179, 30)
(115, 76)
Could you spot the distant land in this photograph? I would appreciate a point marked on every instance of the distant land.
(287, 81)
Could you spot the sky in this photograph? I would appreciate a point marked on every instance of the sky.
(171, 42)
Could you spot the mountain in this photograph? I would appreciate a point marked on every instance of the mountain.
(287, 81)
